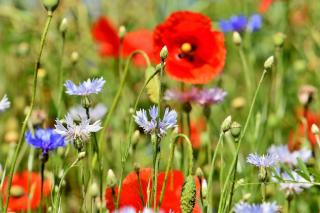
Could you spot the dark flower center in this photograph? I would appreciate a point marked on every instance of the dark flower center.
(187, 51)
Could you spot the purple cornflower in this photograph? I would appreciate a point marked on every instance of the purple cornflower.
(85, 88)
(255, 23)
(4, 103)
(76, 131)
(287, 157)
(154, 124)
(234, 23)
(211, 96)
(262, 161)
(45, 139)
(182, 96)
(243, 207)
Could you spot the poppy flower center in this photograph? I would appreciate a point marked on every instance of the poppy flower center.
(186, 47)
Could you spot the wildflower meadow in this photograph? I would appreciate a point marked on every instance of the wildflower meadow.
(160, 106)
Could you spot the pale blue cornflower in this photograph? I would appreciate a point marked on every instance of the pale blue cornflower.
(95, 113)
(255, 23)
(45, 139)
(85, 88)
(76, 131)
(241, 23)
(4, 103)
(293, 183)
(267, 160)
(290, 158)
(243, 207)
(154, 124)
(211, 96)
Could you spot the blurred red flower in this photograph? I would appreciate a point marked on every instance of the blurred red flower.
(264, 5)
(304, 130)
(106, 35)
(134, 193)
(23, 185)
(197, 127)
(196, 52)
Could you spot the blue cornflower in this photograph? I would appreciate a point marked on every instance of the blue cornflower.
(4, 103)
(45, 139)
(255, 23)
(211, 96)
(235, 23)
(85, 88)
(156, 125)
(243, 207)
(262, 161)
(288, 157)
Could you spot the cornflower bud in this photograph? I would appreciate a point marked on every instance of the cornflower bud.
(236, 38)
(268, 63)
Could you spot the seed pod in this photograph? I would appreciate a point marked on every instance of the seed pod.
(50, 5)
(226, 124)
(188, 195)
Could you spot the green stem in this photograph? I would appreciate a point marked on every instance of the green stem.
(235, 160)
(119, 92)
(126, 153)
(170, 161)
(61, 77)
(246, 70)
(25, 122)
(211, 171)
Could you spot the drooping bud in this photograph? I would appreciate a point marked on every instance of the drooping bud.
(50, 5)
(188, 195)
(63, 26)
(111, 179)
(268, 63)
(164, 53)
(306, 94)
(226, 124)
(236, 38)
(235, 129)
(122, 32)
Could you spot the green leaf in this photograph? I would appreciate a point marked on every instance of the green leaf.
(153, 86)
(287, 170)
(275, 174)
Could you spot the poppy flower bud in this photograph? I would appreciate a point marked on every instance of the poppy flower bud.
(16, 191)
(235, 129)
(122, 31)
(306, 94)
(226, 124)
(269, 62)
(278, 39)
(74, 57)
(63, 26)
(188, 195)
(199, 173)
(204, 188)
(111, 179)
(164, 53)
(81, 155)
(137, 167)
(50, 5)
(236, 38)
(94, 190)
(315, 129)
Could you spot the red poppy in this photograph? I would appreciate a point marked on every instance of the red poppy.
(197, 127)
(196, 52)
(264, 5)
(304, 130)
(23, 185)
(106, 35)
(134, 194)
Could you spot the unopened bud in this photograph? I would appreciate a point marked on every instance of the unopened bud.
(278, 39)
(236, 38)
(235, 129)
(63, 26)
(204, 188)
(238, 102)
(74, 57)
(122, 31)
(50, 5)
(135, 137)
(111, 179)
(164, 53)
(188, 195)
(268, 63)
(94, 189)
(81, 155)
(199, 173)
(315, 129)
(226, 124)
